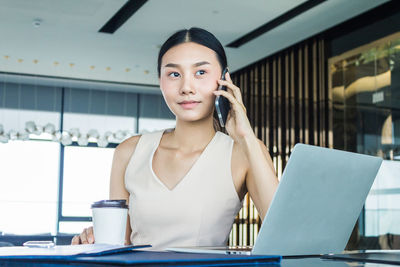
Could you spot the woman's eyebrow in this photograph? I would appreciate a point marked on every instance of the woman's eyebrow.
(198, 64)
(171, 65)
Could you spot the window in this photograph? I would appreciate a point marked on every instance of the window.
(73, 227)
(382, 210)
(86, 178)
(28, 186)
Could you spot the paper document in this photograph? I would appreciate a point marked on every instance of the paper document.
(67, 250)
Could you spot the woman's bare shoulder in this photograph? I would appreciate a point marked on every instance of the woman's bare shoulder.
(125, 149)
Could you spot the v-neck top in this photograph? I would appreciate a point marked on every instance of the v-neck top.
(198, 211)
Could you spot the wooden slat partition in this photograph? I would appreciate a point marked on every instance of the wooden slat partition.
(287, 102)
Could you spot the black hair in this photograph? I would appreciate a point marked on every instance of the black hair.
(195, 35)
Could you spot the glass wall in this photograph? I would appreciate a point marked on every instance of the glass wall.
(56, 149)
(365, 86)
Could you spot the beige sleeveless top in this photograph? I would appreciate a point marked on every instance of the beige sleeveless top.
(198, 211)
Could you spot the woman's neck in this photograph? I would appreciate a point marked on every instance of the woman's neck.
(191, 136)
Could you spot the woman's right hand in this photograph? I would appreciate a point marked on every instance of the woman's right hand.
(86, 237)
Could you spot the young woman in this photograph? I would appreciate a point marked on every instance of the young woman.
(186, 185)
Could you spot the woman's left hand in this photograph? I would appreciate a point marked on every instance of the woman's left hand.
(237, 123)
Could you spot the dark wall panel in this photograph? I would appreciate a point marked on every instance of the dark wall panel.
(153, 106)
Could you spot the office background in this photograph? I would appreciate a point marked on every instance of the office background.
(336, 88)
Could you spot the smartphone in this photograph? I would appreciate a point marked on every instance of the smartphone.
(39, 244)
(222, 104)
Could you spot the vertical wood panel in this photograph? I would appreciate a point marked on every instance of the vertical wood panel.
(292, 104)
(263, 104)
(274, 112)
(260, 112)
(306, 89)
(280, 109)
(315, 94)
(300, 92)
(270, 129)
(286, 137)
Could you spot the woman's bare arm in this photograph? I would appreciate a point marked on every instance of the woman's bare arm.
(261, 180)
(121, 158)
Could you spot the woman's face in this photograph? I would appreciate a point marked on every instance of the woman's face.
(188, 77)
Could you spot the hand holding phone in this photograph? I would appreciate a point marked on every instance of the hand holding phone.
(222, 104)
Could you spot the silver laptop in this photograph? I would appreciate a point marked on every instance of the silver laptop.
(316, 205)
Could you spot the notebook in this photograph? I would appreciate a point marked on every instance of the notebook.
(316, 204)
(66, 250)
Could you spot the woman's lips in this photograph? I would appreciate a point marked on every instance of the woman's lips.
(189, 104)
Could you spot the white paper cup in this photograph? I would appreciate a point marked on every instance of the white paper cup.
(109, 221)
